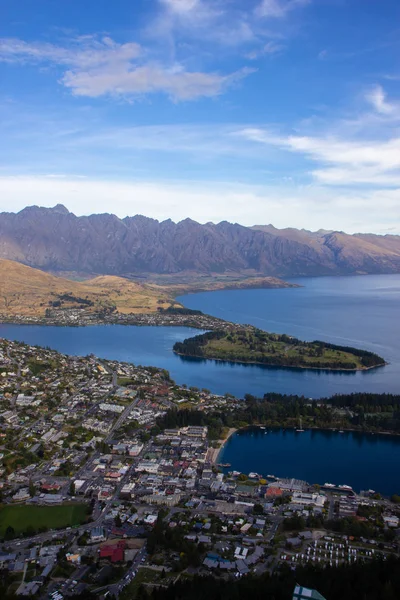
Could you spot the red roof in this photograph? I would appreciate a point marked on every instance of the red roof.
(115, 552)
(50, 486)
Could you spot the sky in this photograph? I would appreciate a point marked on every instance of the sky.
(251, 111)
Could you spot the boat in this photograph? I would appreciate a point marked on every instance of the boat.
(224, 465)
(345, 487)
(262, 427)
(300, 429)
(329, 485)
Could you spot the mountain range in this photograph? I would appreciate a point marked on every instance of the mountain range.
(56, 240)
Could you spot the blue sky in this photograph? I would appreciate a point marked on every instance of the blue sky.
(253, 111)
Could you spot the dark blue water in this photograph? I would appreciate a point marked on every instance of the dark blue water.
(364, 461)
(359, 311)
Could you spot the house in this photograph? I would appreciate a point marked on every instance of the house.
(273, 492)
(75, 559)
(391, 521)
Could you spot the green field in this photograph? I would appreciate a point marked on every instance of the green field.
(20, 517)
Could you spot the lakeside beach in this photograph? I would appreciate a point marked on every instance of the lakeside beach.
(213, 453)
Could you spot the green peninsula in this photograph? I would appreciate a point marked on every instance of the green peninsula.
(250, 345)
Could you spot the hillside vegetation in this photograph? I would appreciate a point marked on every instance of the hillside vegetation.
(29, 292)
(250, 345)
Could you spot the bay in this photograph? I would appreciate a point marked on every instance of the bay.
(357, 311)
(363, 461)
(362, 311)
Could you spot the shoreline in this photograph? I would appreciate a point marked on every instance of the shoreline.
(217, 451)
(213, 453)
(253, 362)
(233, 430)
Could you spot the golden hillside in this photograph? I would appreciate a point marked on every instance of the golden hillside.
(27, 291)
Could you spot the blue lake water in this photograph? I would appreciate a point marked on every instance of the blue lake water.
(364, 461)
(358, 311)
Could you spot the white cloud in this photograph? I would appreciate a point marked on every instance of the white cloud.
(97, 67)
(177, 83)
(83, 52)
(229, 24)
(377, 98)
(181, 6)
(342, 159)
(203, 21)
(308, 206)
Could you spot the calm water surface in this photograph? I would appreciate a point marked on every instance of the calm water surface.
(363, 461)
(356, 311)
(359, 311)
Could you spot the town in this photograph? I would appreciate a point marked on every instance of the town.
(99, 492)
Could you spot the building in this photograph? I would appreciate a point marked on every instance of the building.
(21, 496)
(302, 593)
(115, 552)
(97, 535)
(307, 499)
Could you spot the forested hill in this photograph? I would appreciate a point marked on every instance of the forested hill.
(56, 240)
(251, 345)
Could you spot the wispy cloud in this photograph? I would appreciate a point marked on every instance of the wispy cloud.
(97, 67)
(344, 160)
(83, 52)
(229, 24)
(269, 49)
(278, 9)
(378, 99)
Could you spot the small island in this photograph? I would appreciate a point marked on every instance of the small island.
(251, 345)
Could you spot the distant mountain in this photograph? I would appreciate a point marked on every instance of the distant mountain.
(56, 240)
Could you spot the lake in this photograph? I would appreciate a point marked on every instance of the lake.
(363, 461)
(358, 311)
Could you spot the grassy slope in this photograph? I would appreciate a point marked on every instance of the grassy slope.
(27, 291)
(225, 348)
(255, 346)
(20, 517)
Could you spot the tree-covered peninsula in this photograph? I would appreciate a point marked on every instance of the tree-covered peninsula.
(250, 345)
